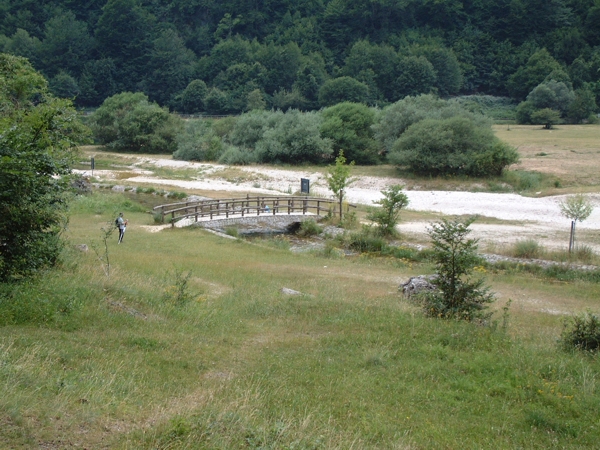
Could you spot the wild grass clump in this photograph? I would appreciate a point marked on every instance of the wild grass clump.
(582, 332)
(558, 272)
(279, 242)
(581, 254)
(584, 254)
(309, 228)
(521, 180)
(177, 291)
(145, 190)
(330, 250)
(366, 241)
(527, 248)
(349, 221)
(157, 217)
(34, 302)
(177, 195)
(100, 204)
(232, 231)
(408, 253)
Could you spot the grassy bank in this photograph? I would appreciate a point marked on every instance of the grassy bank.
(189, 343)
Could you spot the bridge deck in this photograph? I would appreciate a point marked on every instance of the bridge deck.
(223, 209)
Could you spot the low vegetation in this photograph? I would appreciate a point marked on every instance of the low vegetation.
(205, 347)
(582, 332)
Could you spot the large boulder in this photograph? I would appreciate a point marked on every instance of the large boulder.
(418, 285)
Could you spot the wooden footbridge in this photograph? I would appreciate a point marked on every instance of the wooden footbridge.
(203, 210)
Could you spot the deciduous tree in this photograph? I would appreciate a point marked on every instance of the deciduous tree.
(338, 178)
(348, 125)
(577, 208)
(386, 217)
(38, 134)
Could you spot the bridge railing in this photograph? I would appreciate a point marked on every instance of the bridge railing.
(245, 206)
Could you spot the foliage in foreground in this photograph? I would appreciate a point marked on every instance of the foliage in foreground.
(38, 134)
(460, 296)
(582, 332)
(242, 366)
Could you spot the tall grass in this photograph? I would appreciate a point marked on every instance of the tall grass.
(238, 364)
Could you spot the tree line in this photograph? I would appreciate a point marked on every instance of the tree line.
(230, 56)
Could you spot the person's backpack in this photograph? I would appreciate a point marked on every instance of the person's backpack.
(117, 222)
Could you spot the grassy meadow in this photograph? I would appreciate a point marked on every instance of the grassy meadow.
(183, 339)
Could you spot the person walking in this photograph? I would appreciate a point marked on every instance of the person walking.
(122, 225)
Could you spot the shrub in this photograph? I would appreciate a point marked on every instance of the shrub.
(232, 231)
(454, 146)
(521, 180)
(198, 142)
(177, 195)
(397, 118)
(547, 117)
(348, 125)
(366, 241)
(128, 121)
(459, 296)
(309, 228)
(295, 138)
(349, 220)
(582, 332)
(236, 156)
(388, 215)
(178, 293)
(524, 112)
(527, 248)
(249, 128)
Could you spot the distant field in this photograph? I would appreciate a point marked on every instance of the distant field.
(569, 152)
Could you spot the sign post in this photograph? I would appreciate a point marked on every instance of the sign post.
(305, 185)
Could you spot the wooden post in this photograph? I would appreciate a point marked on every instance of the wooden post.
(572, 238)
(173, 219)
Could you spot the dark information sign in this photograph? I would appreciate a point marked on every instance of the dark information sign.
(305, 185)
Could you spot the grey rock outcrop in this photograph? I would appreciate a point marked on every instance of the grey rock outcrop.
(419, 284)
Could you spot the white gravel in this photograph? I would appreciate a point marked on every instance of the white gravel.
(538, 218)
(365, 190)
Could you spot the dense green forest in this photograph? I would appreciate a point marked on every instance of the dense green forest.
(231, 55)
